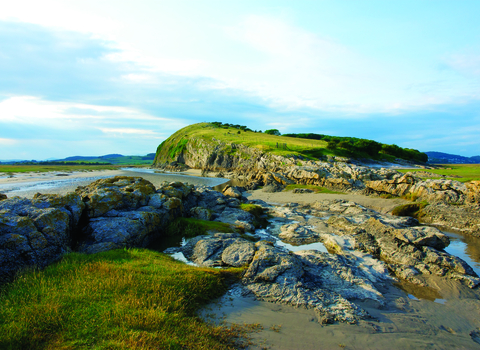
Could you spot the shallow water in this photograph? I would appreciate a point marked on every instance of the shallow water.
(270, 234)
(466, 247)
(40, 185)
(65, 181)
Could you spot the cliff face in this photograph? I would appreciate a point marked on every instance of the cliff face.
(215, 155)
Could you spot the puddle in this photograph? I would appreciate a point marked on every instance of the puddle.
(466, 247)
(315, 246)
(268, 235)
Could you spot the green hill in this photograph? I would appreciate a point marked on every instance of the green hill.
(219, 145)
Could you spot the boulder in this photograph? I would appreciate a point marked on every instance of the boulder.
(31, 236)
(234, 192)
(119, 230)
(119, 192)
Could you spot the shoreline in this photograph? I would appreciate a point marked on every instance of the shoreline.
(56, 182)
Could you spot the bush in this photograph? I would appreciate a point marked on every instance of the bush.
(273, 132)
(332, 145)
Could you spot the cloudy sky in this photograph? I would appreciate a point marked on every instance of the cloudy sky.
(92, 77)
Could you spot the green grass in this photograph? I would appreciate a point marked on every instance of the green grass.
(316, 189)
(278, 145)
(265, 142)
(46, 168)
(467, 172)
(190, 227)
(121, 299)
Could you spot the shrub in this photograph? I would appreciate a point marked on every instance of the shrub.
(273, 132)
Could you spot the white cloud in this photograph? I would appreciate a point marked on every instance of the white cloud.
(8, 142)
(270, 57)
(128, 131)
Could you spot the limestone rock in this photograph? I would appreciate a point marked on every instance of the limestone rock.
(31, 236)
(120, 192)
(232, 192)
(237, 217)
(239, 253)
(201, 213)
(125, 229)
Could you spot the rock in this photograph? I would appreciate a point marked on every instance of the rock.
(3, 196)
(460, 218)
(302, 190)
(298, 234)
(237, 217)
(157, 200)
(273, 187)
(232, 192)
(277, 276)
(119, 192)
(239, 253)
(201, 213)
(71, 203)
(475, 335)
(31, 236)
(125, 229)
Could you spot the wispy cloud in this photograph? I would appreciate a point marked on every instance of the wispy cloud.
(130, 131)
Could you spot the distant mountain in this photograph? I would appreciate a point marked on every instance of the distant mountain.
(442, 158)
(114, 159)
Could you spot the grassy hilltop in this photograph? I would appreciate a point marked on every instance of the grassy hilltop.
(308, 146)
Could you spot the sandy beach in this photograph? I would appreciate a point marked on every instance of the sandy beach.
(412, 318)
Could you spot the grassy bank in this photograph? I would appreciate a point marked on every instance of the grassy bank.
(121, 299)
(459, 172)
(9, 169)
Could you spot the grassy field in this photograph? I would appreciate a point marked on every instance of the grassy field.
(120, 299)
(45, 168)
(459, 172)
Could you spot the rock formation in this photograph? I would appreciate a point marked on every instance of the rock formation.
(274, 172)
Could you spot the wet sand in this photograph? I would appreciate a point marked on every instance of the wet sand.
(429, 320)
(381, 205)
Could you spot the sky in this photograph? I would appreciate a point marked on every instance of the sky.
(97, 77)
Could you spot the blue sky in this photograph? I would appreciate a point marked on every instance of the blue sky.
(98, 77)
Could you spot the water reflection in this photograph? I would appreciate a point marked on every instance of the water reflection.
(466, 247)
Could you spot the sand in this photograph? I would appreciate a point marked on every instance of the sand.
(413, 318)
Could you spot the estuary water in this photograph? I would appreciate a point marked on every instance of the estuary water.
(27, 185)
